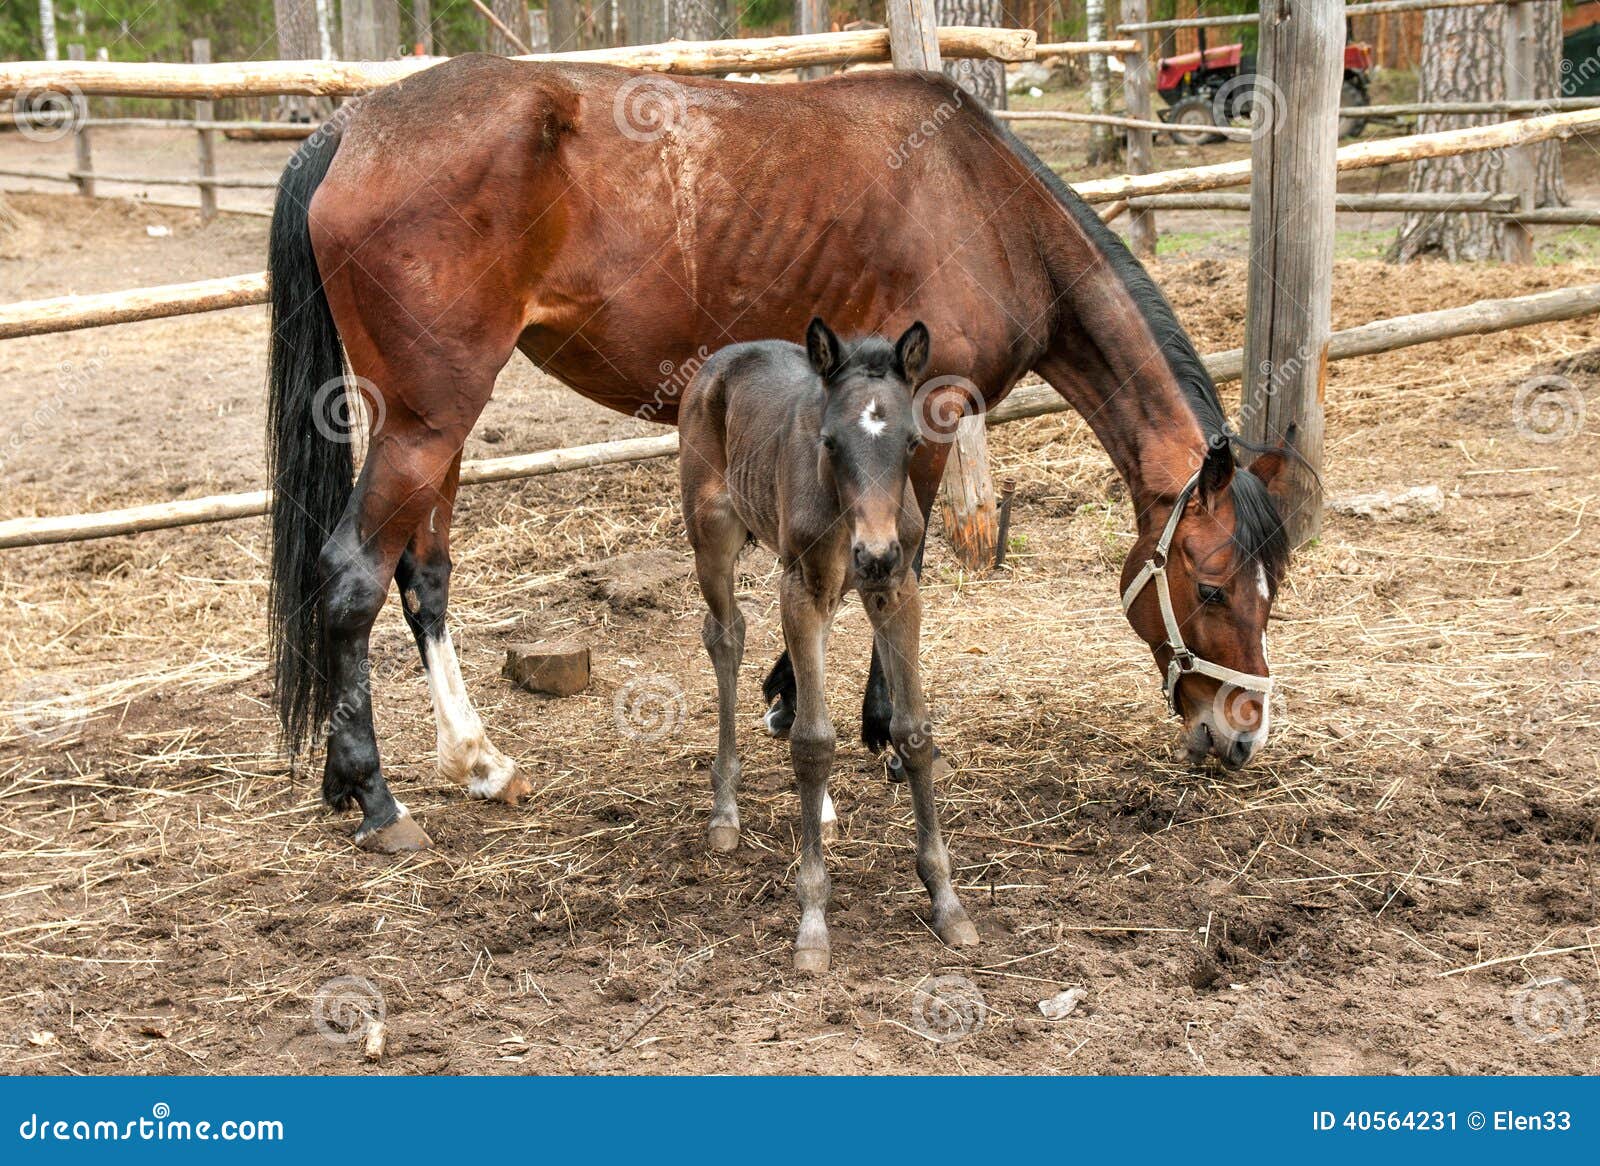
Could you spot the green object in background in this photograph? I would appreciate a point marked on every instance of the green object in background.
(1580, 63)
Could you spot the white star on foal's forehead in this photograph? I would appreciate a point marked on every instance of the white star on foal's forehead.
(872, 419)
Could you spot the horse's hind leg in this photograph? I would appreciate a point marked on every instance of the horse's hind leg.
(718, 536)
(466, 756)
(896, 623)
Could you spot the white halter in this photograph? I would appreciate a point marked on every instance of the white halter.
(1183, 660)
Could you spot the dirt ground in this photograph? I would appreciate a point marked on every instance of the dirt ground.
(1405, 882)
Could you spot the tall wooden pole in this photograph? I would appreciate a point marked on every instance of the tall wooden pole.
(1521, 164)
(811, 16)
(971, 521)
(1290, 288)
(1136, 92)
(206, 140)
(82, 154)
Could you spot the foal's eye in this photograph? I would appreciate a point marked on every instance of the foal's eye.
(1210, 594)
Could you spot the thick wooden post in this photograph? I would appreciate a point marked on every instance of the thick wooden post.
(811, 16)
(1136, 92)
(206, 142)
(81, 153)
(966, 495)
(1290, 288)
(1521, 167)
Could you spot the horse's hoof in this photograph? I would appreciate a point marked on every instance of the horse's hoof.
(723, 839)
(401, 836)
(515, 791)
(959, 933)
(811, 961)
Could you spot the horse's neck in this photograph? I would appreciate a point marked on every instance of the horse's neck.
(1106, 362)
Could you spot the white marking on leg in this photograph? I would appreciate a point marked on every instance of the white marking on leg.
(828, 814)
(465, 754)
(872, 419)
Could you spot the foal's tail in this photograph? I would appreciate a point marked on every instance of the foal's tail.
(310, 471)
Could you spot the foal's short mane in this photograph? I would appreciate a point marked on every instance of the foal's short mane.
(872, 355)
(1259, 532)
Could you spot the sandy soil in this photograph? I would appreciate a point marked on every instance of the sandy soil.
(1405, 883)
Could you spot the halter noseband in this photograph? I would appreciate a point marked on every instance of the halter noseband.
(1183, 660)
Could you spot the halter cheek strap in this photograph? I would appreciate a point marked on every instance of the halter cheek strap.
(1183, 660)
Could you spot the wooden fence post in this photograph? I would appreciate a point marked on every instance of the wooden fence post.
(811, 16)
(1520, 164)
(1290, 289)
(1136, 92)
(84, 159)
(966, 494)
(206, 142)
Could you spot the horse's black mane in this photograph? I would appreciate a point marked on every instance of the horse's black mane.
(1259, 529)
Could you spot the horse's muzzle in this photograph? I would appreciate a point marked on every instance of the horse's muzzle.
(875, 565)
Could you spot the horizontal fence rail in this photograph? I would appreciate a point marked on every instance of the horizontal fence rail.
(1247, 18)
(1028, 401)
(1358, 203)
(345, 78)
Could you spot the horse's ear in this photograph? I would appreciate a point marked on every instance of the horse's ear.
(1270, 465)
(822, 348)
(1217, 470)
(911, 352)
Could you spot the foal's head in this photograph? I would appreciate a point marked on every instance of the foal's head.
(869, 432)
(1226, 557)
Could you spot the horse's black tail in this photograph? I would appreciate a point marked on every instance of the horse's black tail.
(310, 471)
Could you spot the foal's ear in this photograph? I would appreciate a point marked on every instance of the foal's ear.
(911, 351)
(822, 348)
(1217, 470)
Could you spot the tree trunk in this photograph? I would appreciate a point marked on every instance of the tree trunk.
(985, 80)
(1461, 61)
(298, 38)
(514, 15)
(1549, 188)
(811, 16)
(371, 29)
(564, 26)
(695, 19)
(47, 30)
(422, 25)
(1101, 147)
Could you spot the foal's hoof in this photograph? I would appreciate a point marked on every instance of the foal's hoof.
(959, 933)
(401, 836)
(723, 839)
(811, 961)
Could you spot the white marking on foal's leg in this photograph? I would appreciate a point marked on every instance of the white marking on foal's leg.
(828, 814)
(465, 755)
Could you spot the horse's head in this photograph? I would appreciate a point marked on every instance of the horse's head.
(868, 434)
(1199, 588)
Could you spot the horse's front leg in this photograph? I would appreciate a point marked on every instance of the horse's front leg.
(806, 619)
(465, 754)
(896, 622)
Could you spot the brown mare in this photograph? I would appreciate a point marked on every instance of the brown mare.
(604, 222)
(808, 451)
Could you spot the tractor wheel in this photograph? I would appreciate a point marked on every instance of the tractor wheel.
(1191, 121)
(1351, 94)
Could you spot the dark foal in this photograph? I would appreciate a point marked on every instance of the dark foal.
(808, 451)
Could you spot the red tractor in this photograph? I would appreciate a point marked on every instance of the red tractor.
(1213, 87)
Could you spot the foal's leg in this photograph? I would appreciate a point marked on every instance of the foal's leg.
(806, 619)
(718, 536)
(896, 623)
(466, 756)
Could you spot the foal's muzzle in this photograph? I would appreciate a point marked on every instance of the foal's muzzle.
(875, 564)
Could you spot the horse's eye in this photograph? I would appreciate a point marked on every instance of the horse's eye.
(1210, 594)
